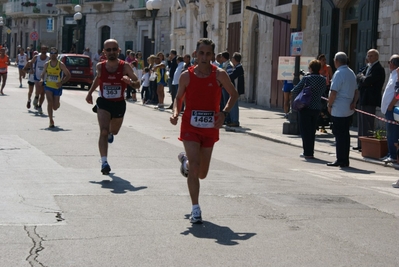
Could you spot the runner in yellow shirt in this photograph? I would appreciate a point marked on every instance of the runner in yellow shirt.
(55, 74)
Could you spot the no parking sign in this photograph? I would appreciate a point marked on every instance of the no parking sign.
(34, 36)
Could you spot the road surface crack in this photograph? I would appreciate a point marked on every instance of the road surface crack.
(37, 246)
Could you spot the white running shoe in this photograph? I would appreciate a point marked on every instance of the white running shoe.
(183, 167)
(195, 217)
(396, 185)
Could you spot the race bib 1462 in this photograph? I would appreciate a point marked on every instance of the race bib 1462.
(202, 119)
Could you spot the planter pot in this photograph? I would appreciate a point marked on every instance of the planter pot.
(373, 147)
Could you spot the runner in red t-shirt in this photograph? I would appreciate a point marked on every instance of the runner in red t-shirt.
(201, 87)
(112, 76)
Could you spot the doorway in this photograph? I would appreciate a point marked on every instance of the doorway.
(105, 35)
(350, 43)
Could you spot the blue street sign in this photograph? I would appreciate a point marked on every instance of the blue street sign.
(50, 24)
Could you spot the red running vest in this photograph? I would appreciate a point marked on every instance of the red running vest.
(202, 94)
(111, 85)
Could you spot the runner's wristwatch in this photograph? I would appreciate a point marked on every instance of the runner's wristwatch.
(225, 113)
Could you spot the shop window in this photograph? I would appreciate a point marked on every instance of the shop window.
(283, 2)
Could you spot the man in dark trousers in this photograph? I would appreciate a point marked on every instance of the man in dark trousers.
(370, 83)
(172, 64)
(238, 73)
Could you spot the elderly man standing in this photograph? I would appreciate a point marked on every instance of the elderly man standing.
(341, 104)
(370, 82)
(388, 103)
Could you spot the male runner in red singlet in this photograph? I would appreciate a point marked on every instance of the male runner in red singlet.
(112, 75)
(201, 87)
(4, 62)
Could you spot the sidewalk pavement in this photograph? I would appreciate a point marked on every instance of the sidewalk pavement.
(268, 124)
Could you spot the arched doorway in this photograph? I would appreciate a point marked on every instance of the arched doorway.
(105, 35)
(253, 62)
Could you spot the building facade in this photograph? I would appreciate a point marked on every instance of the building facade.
(128, 21)
(352, 26)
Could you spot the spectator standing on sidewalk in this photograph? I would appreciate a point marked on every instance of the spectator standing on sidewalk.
(176, 77)
(172, 65)
(370, 83)
(228, 67)
(187, 62)
(308, 116)
(201, 88)
(87, 52)
(145, 82)
(238, 73)
(341, 104)
(388, 103)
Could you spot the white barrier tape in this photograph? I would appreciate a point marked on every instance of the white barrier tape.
(373, 115)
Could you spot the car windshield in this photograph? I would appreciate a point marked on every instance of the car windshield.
(77, 62)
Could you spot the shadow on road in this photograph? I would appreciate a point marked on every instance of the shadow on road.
(118, 185)
(223, 235)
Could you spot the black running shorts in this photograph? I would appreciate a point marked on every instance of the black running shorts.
(117, 109)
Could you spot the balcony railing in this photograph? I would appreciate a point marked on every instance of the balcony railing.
(99, 1)
(33, 8)
(67, 2)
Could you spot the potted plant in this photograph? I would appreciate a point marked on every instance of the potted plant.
(374, 146)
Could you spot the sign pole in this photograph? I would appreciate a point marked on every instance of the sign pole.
(292, 126)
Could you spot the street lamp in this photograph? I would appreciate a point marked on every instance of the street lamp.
(77, 17)
(153, 6)
(1, 30)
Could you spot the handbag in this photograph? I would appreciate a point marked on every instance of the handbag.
(303, 99)
(153, 77)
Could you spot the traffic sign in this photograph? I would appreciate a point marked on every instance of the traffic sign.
(286, 67)
(296, 43)
(34, 36)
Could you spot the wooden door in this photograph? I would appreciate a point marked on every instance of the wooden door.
(328, 42)
(367, 29)
(234, 37)
(281, 47)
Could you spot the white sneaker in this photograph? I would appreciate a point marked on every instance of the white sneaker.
(396, 185)
(195, 217)
(183, 167)
(389, 159)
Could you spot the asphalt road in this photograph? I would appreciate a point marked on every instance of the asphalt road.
(261, 205)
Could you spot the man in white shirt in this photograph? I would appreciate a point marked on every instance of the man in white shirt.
(387, 105)
(341, 104)
(175, 81)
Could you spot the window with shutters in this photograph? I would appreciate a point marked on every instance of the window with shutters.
(235, 8)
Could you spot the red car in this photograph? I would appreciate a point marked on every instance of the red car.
(80, 67)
